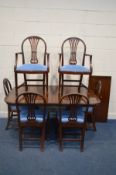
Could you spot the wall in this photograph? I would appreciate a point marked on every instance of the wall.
(55, 20)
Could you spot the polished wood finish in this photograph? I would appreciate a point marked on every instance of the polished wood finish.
(101, 110)
(53, 98)
(73, 52)
(33, 51)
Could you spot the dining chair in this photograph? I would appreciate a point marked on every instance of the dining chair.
(74, 63)
(12, 111)
(72, 119)
(32, 117)
(33, 63)
(91, 110)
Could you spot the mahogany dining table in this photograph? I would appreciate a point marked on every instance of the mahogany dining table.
(53, 98)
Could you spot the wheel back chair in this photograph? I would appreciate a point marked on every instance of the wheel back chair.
(32, 117)
(12, 111)
(73, 61)
(33, 63)
(72, 119)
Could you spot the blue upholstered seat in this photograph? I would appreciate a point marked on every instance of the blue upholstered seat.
(32, 67)
(74, 68)
(80, 115)
(13, 107)
(38, 114)
(90, 109)
(22, 107)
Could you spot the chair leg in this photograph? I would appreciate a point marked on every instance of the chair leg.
(9, 119)
(93, 121)
(80, 83)
(47, 130)
(47, 84)
(20, 139)
(42, 139)
(60, 139)
(94, 126)
(16, 83)
(25, 82)
(61, 83)
(59, 90)
(82, 140)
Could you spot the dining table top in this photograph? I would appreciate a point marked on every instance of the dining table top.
(53, 98)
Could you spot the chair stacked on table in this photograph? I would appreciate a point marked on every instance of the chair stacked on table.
(33, 63)
(73, 60)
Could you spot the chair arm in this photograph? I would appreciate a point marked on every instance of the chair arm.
(90, 61)
(16, 59)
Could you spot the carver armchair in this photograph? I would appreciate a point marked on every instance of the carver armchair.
(74, 63)
(33, 63)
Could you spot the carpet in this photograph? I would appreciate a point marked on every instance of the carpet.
(98, 158)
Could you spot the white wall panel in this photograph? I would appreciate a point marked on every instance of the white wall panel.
(6, 14)
(101, 43)
(101, 17)
(49, 15)
(13, 3)
(103, 31)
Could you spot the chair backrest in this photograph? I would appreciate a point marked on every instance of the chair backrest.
(75, 104)
(34, 50)
(7, 86)
(73, 51)
(30, 103)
